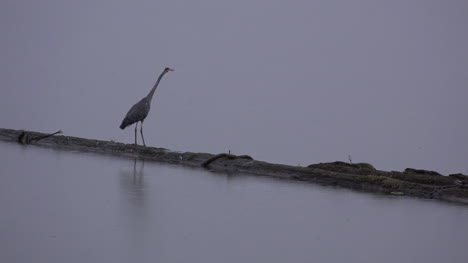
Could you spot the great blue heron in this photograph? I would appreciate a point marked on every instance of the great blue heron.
(140, 110)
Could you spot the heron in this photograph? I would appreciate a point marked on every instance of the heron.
(140, 110)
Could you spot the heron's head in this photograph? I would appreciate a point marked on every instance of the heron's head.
(168, 70)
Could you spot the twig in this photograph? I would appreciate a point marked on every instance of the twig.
(25, 138)
(227, 155)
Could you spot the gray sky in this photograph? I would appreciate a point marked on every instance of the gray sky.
(294, 82)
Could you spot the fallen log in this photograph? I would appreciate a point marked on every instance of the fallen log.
(362, 177)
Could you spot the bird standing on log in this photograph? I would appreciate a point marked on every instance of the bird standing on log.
(140, 110)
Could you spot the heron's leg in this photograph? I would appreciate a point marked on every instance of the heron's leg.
(141, 131)
(136, 126)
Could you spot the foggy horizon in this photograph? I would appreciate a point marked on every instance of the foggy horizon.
(295, 82)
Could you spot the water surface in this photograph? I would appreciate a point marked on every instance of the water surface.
(58, 206)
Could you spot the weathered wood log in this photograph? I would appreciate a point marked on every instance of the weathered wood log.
(358, 177)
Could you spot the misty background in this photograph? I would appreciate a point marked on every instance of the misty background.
(295, 82)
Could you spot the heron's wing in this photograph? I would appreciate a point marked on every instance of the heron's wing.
(138, 112)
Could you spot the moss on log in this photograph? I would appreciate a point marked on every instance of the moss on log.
(362, 177)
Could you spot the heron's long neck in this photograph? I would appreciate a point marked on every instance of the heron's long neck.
(150, 94)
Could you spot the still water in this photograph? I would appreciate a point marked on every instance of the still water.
(58, 206)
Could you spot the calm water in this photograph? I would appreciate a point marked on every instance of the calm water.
(74, 207)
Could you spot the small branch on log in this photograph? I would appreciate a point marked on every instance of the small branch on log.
(25, 138)
(227, 156)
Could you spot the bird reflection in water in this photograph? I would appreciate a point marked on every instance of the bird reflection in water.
(132, 183)
(136, 211)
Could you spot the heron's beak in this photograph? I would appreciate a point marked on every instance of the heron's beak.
(171, 69)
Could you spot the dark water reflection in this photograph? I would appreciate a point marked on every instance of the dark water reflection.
(73, 207)
(132, 182)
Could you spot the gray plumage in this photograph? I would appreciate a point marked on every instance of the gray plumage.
(140, 110)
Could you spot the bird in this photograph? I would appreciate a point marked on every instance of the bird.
(140, 110)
